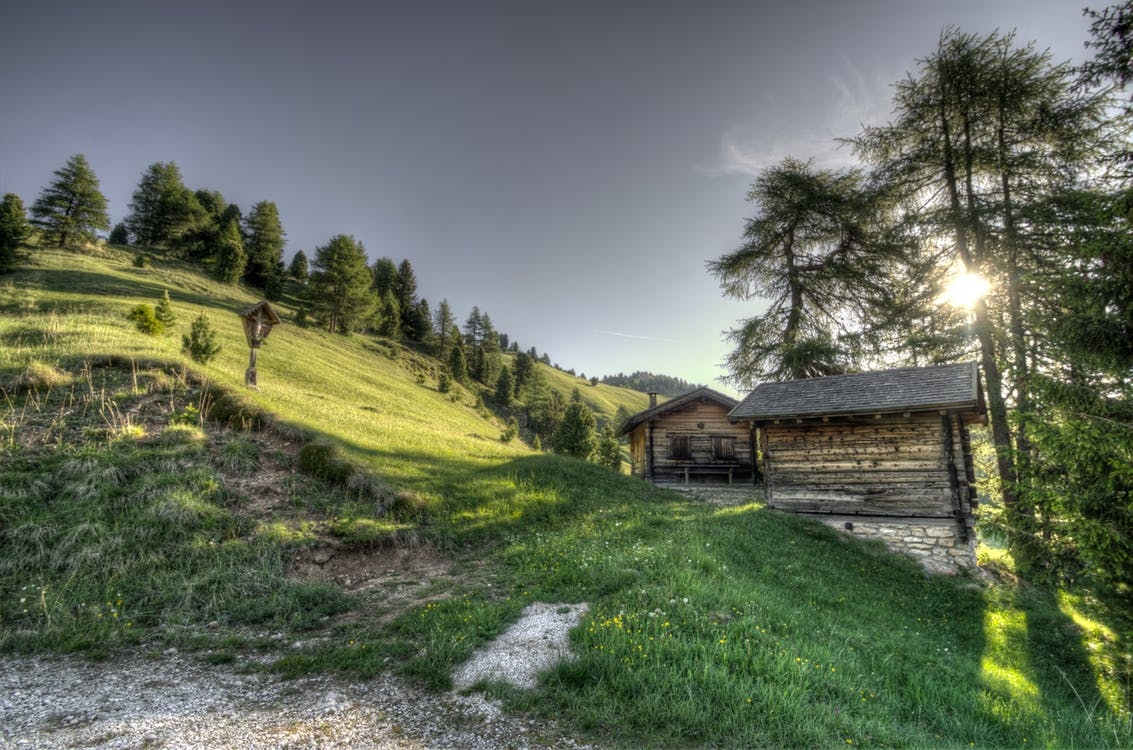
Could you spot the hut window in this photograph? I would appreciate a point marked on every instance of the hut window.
(724, 448)
(679, 447)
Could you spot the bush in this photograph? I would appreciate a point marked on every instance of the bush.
(164, 311)
(323, 461)
(200, 343)
(146, 320)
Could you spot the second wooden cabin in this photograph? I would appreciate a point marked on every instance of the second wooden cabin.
(689, 439)
(881, 454)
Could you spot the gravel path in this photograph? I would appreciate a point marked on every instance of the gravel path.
(175, 701)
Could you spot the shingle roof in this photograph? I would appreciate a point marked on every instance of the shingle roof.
(679, 402)
(954, 386)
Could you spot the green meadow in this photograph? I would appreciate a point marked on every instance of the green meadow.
(130, 524)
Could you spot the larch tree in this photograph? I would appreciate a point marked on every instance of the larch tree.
(162, 210)
(806, 252)
(72, 208)
(982, 137)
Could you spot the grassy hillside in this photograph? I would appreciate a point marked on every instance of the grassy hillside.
(125, 522)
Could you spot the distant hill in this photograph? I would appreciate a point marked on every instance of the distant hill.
(648, 382)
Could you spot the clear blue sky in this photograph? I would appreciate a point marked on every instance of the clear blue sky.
(568, 167)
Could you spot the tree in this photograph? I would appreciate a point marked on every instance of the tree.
(385, 276)
(505, 387)
(72, 208)
(230, 259)
(1111, 32)
(163, 311)
(200, 342)
(808, 253)
(264, 242)
(457, 365)
(444, 324)
(405, 289)
(339, 290)
(162, 209)
(299, 268)
(389, 316)
(982, 139)
(607, 452)
(575, 434)
(14, 231)
(119, 235)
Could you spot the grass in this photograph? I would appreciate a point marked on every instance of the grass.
(123, 525)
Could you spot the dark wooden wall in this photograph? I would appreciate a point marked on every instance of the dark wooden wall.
(888, 466)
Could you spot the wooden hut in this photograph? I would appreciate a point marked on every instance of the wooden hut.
(689, 439)
(884, 454)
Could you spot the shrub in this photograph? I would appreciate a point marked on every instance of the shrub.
(200, 343)
(146, 320)
(323, 461)
(164, 311)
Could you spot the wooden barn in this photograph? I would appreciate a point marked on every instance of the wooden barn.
(882, 454)
(689, 439)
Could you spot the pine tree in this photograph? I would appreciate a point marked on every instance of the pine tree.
(72, 208)
(264, 242)
(14, 231)
(339, 289)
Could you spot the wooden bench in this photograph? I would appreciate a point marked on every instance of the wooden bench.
(708, 469)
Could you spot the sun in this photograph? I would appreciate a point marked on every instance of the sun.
(965, 290)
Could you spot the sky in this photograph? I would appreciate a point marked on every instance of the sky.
(567, 167)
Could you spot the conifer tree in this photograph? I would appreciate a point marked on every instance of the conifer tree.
(264, 242)
(385, 276)
(444, 323)
(230, 259)
(72, 208)
(299, 268)
(607, 452)
(162, 209)
(163, 311)
(457, 365)
(14, 231)
(575, 434)
(505, 387)
(339, 290)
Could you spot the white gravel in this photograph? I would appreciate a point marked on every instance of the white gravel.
(176, 701)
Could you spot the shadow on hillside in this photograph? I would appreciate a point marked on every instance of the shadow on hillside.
(100, 284)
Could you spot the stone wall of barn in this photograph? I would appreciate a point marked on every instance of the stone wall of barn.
(939, 545)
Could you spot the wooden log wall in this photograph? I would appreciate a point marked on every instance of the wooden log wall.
(886, 466)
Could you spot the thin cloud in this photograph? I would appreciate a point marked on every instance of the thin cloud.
(620, 335)
(750, 148)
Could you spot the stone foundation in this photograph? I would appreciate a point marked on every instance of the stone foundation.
(934, 542)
